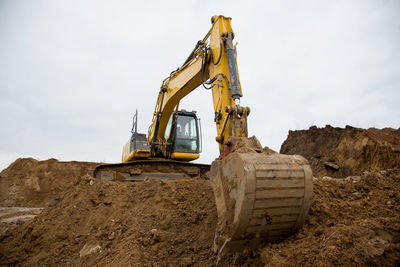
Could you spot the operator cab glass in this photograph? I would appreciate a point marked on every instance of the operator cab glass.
(186, 132)
(186, 139)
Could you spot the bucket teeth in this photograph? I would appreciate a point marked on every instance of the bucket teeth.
(259, 197)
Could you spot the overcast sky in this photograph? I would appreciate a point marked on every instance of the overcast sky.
(72, 73)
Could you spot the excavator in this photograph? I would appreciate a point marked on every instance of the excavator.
(261, 196)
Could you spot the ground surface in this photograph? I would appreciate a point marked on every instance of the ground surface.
(32, 183)
(154, 223)
(338, 152)
(353, 221)
(11, 217)
(86, 222)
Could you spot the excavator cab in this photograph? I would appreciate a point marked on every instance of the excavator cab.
(183, 135)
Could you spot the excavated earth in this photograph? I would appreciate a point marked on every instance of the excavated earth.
(338, 152)
(354, 220)
(154, 223)
(32, 183)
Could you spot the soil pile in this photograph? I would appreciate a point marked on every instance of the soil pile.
(352, 221)
(90, 222)
(338, 152)
(97, 222)
(31, 183)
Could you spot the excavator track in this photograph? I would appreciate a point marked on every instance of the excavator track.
(151, 169)
(260, 198)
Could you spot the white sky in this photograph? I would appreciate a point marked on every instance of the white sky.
(72, 73)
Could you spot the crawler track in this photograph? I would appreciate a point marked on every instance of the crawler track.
(151, 169)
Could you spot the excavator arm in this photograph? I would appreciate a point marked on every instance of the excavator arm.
(213, 64)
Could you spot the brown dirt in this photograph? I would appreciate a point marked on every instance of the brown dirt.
(31, 183)
(11, 217)
(338, 152)
(154, 223)
(352, 221)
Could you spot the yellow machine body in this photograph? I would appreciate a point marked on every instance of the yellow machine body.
(196, 70)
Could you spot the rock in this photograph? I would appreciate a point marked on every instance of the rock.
(53, 202)
(331, 165)
(328, 178)
(153, 231)
(89, 248)
(357, 195)
(354, 179)
(111, 236)
(157, 235)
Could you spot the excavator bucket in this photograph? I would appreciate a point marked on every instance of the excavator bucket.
(260, 197)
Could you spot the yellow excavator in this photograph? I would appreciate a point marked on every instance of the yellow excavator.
(261, 196)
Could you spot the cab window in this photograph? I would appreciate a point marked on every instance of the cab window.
(186, 134)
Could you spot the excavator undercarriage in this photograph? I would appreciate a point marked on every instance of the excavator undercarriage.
(151, 169)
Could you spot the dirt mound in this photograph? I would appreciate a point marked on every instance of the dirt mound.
(31, 183)
(97, 222)
(353, 221)
(338, 152)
